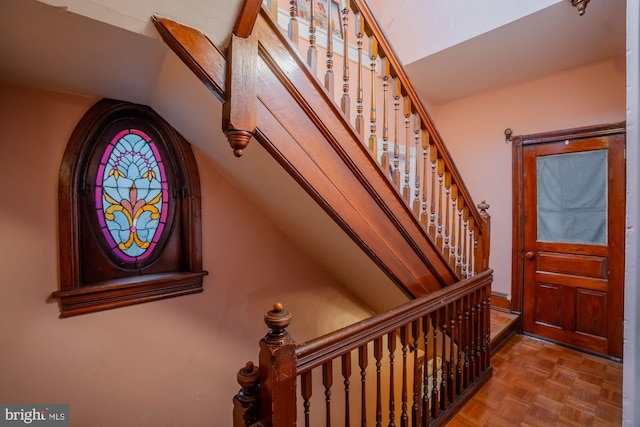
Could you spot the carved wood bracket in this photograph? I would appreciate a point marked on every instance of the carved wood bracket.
(239, 109)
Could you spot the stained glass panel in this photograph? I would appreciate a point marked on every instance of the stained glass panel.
(131, 195)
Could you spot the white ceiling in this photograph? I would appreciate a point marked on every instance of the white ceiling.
(553, 39)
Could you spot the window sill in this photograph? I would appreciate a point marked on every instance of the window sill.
(129, 291)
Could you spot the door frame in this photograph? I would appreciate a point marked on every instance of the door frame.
(518, 144)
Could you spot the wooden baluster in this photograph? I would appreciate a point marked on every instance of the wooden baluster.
(425, 372)
(447, 213)
(397, 93)
(306, 387)
(293, 21)
(360, 90)
(483, 347)
(327, 381)
(363, 361)
(487, 327)
(391, 347)
(476, 233)
(467, 340)
(433, 157)
(471, 227)
(461, 354)
(346, 374)
(435, 405)
(373, 138)
(423, 212)
(465, 240)
(245, 403)
(416, 191)
(404, 339)
(417, 389)
(453, 342)
(329, 79)
(460, 238)
(386, 70)
(452, 236)
(440, 202)
(444, 379)
(345, 102)
(312, 52)
(406, 191)
(472, 331)
(479, 334)
(377, 354)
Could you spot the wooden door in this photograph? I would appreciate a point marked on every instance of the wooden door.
(573, 240)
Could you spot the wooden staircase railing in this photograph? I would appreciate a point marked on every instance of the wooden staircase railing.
(398, 122)
(271, 95)
(415, 365)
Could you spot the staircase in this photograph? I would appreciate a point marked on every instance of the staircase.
(391, 185)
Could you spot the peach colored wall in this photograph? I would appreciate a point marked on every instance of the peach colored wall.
(170, 362)
(473, 129)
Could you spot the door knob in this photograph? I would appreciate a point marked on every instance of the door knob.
(529, 255)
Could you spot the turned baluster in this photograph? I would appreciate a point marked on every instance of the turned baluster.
(346, 374)
(306, 388)
(461, 335)
(416, 191)
(404, 340)
(406, 190)
(312, 52)
(440, 202)
(417, 389)
(444, 379)
(363, 362)
(327, 382)
(454, 339)
(465, 241)
(460, 238)
(292, 31)
(385, 69)
(391, 347)
(433, 157)
(424, 215)
(472, 332)
(468, 332)
(397, 93)
(452, 234)
(345, 102)
(377, 354)
(360, 90)
(435, 391)
(426, 393)
(328, 76)
(471, 246)
(447, 213)
(373, 138)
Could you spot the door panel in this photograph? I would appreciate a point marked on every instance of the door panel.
(573, 215)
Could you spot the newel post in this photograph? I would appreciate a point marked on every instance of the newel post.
(484, 246)
(245, 403)
(277, 371)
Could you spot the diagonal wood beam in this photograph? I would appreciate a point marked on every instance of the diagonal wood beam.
(202, 57)
(247, 18)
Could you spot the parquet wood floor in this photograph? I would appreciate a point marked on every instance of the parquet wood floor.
(536, 383)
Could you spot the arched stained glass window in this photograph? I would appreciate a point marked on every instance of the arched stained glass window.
(129, 209)
(131, 195)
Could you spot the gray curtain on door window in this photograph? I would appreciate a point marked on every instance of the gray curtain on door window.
(572, 197)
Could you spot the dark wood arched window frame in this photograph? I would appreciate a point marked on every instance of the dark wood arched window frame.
(91, 277)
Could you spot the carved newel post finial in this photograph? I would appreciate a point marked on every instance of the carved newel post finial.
(277, 320)
(245, 410)
(581, 5)
(482, 207)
